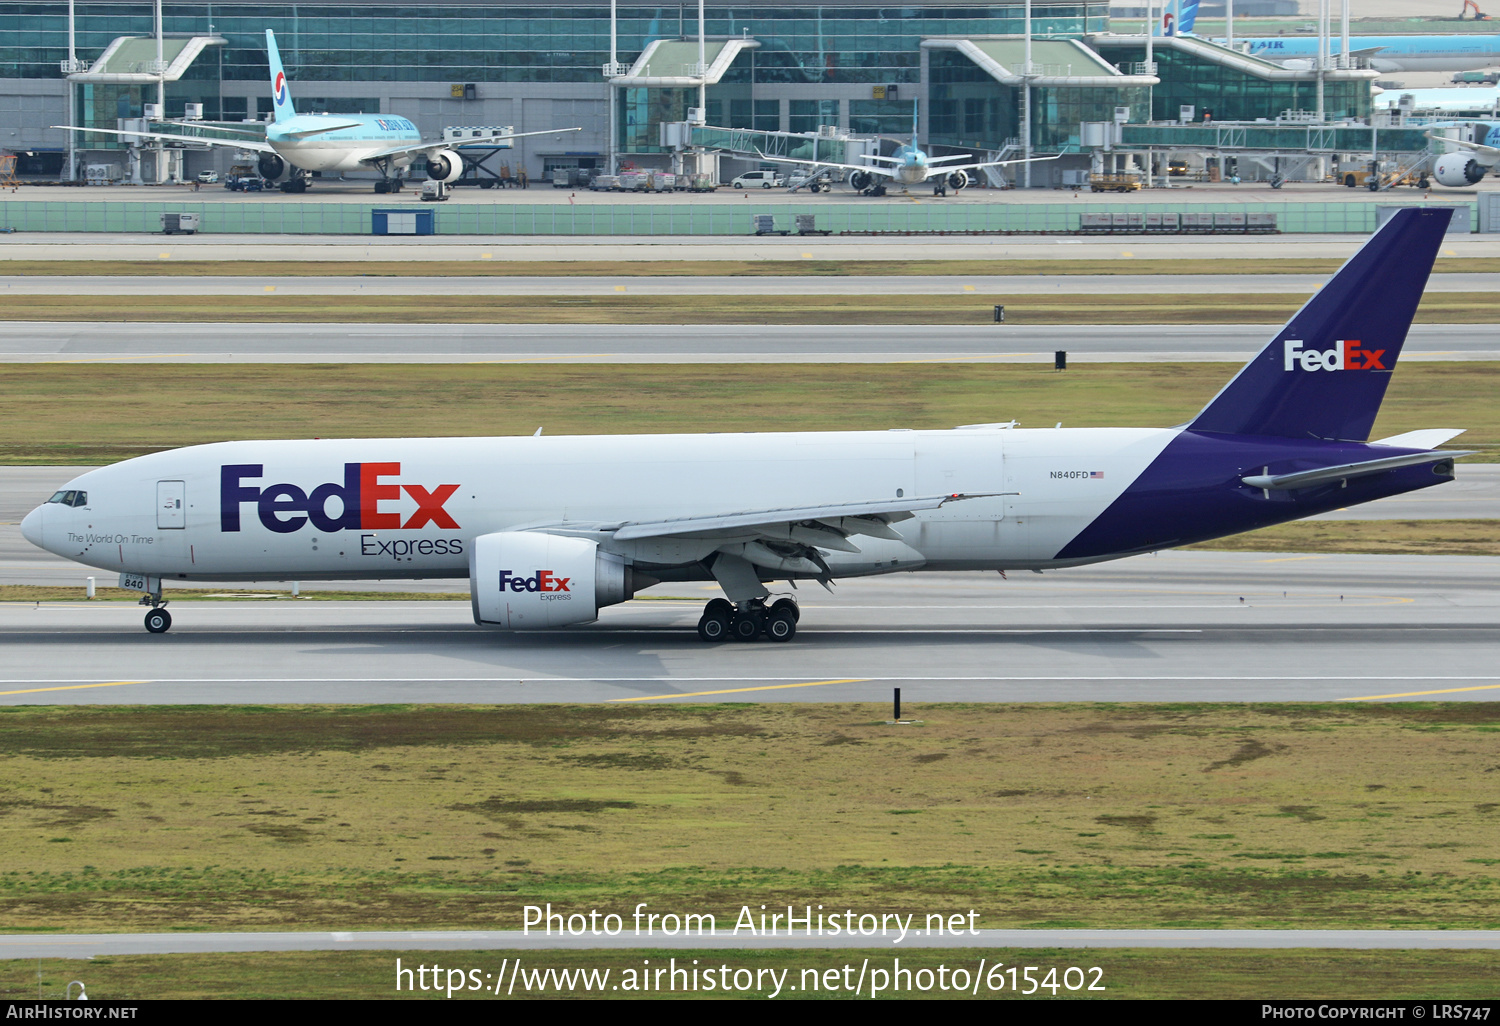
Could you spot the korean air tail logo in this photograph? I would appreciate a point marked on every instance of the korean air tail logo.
(1168, 24)
(278, 88)
(1345, 355)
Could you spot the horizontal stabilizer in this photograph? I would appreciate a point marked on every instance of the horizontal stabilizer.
(1426, 438)
(1324, 475)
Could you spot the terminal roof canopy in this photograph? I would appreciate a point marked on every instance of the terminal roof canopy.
(674, 62)
(133, 59)
(1054, 62)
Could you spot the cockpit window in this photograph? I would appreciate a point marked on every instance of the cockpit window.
(70, 497)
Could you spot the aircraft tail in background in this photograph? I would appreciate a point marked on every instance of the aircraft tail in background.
(281, 91)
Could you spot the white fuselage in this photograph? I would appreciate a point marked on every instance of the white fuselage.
(345, 148)
(180, 514)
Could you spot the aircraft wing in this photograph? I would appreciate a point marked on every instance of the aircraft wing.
(258, 145)
(871, 517)
(1490, 154)
(874, 169)
(954, 156)
(444, 144)
(949, 169)
(1326, 475)
(309, 133)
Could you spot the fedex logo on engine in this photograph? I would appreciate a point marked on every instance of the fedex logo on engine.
(1345, 355)
(285, 508)
(544, 581)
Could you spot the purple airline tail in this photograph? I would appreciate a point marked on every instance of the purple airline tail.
(1325, 372)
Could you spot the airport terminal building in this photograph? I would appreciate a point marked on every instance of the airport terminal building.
(862, 68)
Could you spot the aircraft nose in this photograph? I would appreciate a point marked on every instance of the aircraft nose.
(32, 526)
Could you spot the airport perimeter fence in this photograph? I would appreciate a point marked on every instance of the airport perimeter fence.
(275, 217)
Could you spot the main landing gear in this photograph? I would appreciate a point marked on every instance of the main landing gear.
(722, 621)
(158, 620)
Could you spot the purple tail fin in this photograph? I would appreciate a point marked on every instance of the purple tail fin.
(1325, 373)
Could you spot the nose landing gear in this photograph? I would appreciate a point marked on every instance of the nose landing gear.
(722, 620)
(158, 620)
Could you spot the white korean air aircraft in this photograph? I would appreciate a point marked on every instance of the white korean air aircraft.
(550, 529)
(909, 165)
(296, 144)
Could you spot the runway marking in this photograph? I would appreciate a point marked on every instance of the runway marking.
(1418, 694)
(1289, 559)
(798, 682)
(73, 687)
(104, 358)
(735, 691)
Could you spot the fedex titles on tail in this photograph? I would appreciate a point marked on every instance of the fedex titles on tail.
(284, 508)
(1345, 355)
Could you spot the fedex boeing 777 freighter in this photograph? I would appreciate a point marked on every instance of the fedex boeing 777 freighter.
(550, 529)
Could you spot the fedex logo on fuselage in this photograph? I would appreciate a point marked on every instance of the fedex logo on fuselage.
(284, 508)
(544, 581)
(1345, 355)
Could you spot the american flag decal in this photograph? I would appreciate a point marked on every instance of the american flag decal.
(1096, 473)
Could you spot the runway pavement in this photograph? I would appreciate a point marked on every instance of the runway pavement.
(13, 946)
(87, 342)
(1179, 626)
(852, 248)
(706, 285)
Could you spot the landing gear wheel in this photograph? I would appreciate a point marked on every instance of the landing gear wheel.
(781, 625)
(788, 604)
(719, 607)
(745, 628)
(158, 620)
(382, 187)
(713, 628)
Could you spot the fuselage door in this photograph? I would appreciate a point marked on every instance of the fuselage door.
(171, 505)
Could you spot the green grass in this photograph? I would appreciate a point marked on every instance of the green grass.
(90, 414)
(1392, 537)
(968, 308)
(1132, 973)
(430, 817)
(868, 264)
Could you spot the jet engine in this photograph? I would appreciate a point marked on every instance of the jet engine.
(273, 169)
(444, 166)
(522, 580)
(1458, 169)
(859, 181)
(957, 180)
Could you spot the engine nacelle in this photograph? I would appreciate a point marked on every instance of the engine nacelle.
(522, 580)
(1457, 170)
(958, 180)
(859, 181)
(444, 166)
(274, 169)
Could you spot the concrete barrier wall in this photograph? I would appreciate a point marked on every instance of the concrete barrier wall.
(276, 217)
